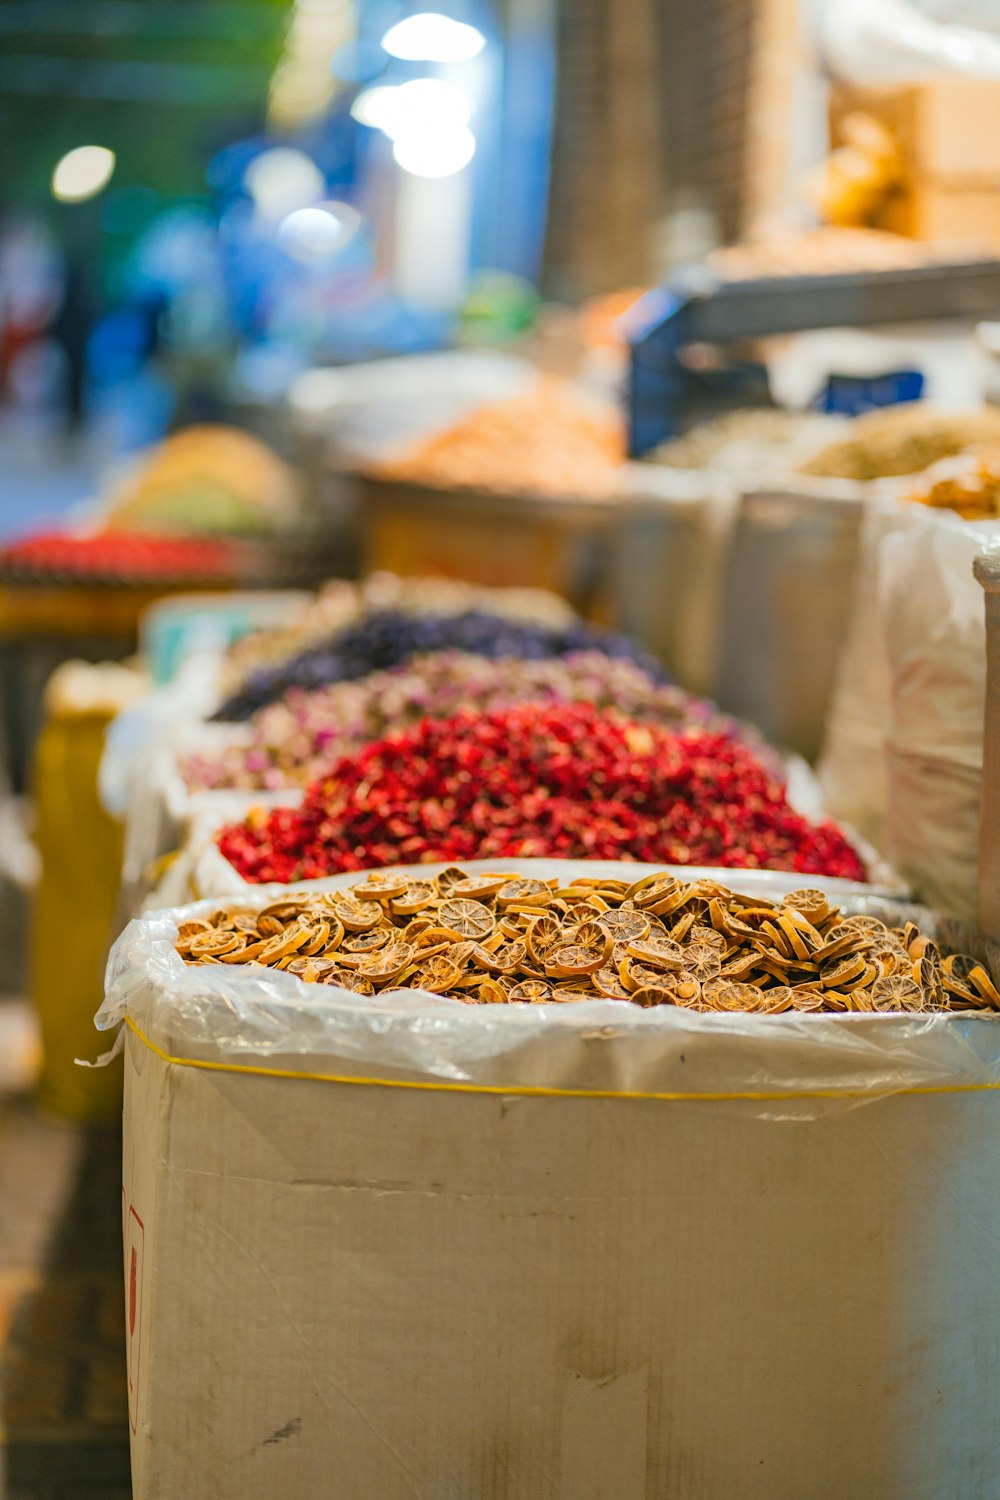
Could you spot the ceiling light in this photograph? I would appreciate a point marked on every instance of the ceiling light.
(82, 173)
(430, 37)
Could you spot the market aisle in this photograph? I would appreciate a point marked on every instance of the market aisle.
(63, 1414)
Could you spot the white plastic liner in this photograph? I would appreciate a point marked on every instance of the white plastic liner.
(932, 619)
(671, 545)
(852, 766)
(902, 41)
(155, 720)
(783, 1067)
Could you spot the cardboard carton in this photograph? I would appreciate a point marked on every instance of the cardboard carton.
(396, 1249)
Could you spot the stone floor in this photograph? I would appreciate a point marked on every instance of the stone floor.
(63, 1415)
(63, 1408)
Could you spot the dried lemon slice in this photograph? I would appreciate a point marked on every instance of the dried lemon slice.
(812, 903)
(959, 966)
(469, 919)
(417, 896)
(479, 887)
(357, 916)
(490, 993)
(649, 995)
(530, 991)
(624, 926)
(286, 944)
(591, 935)
(192, 929)
(346, 979)
(607, 983)
(279, 911)
(525, 892)
(540, 936)
(733, 996)
(567, 960)
(709, 936)
(898, 992)
(807, 999)
(980, 981)
(504, 960)
(367, 942)
(658, 952)
(319, 935)
(387, 963)
(686, 991)
(215, 944)
(702, 961)
(380, 887)
(437, 975)
(842, 973)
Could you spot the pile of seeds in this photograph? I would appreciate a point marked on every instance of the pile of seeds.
(505, 938)
(907, 439)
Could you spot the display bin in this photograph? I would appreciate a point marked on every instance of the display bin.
(785, 605)
(987, 569)
(670, 549)
(412, 1248)
(495, 539)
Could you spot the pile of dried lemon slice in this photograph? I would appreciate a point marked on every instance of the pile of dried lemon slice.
(500, 938)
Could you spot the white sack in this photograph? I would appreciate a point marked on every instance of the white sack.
(933, 623)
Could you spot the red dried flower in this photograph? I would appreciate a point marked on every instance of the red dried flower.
(565, 781)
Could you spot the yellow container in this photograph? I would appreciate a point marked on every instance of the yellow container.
(81, 850)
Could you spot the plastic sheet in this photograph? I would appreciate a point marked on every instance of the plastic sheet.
(896, 41)
(671, 550)
(782, 1067)
(933, 624)
(153, 721)
(852, 766)
(785, 604)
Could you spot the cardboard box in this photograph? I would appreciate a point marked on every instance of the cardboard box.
(948, 129)
(390, 1250)
(930, 211)
(502, 541)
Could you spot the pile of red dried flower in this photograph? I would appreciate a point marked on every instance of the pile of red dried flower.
(566, 781)
(119, 556)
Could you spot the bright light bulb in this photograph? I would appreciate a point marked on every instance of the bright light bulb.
(374, 106)
(430, 37)
(435, 151)
(429, 103)
(315, 235)
(282, 180)
(420, 105)
(82, 173)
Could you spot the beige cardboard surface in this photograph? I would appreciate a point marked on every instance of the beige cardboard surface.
(377, 1294)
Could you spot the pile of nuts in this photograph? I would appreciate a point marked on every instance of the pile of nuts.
(503, 938)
